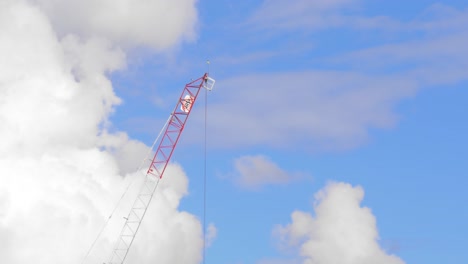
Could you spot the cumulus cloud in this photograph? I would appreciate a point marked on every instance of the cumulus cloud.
(166, 229)
(157, 24)
(61, 170)
(255, 171)
(340, 231)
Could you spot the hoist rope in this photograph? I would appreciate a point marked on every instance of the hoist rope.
(204, 176)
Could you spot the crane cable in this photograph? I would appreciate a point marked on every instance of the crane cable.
(204, 184)
(204, 171)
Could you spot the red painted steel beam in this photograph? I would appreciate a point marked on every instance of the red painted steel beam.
(175, 126)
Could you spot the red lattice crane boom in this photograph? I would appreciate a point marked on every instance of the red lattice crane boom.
(172, 131)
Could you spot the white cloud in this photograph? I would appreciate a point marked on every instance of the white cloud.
(432, 54)
(42, 104)
(309, 110)
(157, 24)
(278, 261)
(439, 18)
(300, 13)
(281, 16)
(61, 171)
(435, 60)
(342, 231)
(255, 171)
(320, 110)
(211, 234)
(165, 229)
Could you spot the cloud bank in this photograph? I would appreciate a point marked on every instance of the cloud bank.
(61, 169)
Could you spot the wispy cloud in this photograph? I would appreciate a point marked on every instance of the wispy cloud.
(430, 61)
(210, 234)
(253, 172)
(279, 261)
(249, 58)
(312, 16)
(317, 109)
(299, 14)
(309, 110)
(435, 55)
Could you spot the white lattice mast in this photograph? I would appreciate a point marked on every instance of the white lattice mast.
(172, 131)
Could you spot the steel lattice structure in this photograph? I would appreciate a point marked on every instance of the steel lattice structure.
(170, 137)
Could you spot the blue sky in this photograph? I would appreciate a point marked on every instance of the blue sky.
(336, 130)
(370, 93)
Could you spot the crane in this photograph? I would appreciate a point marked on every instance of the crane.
(170, 132)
